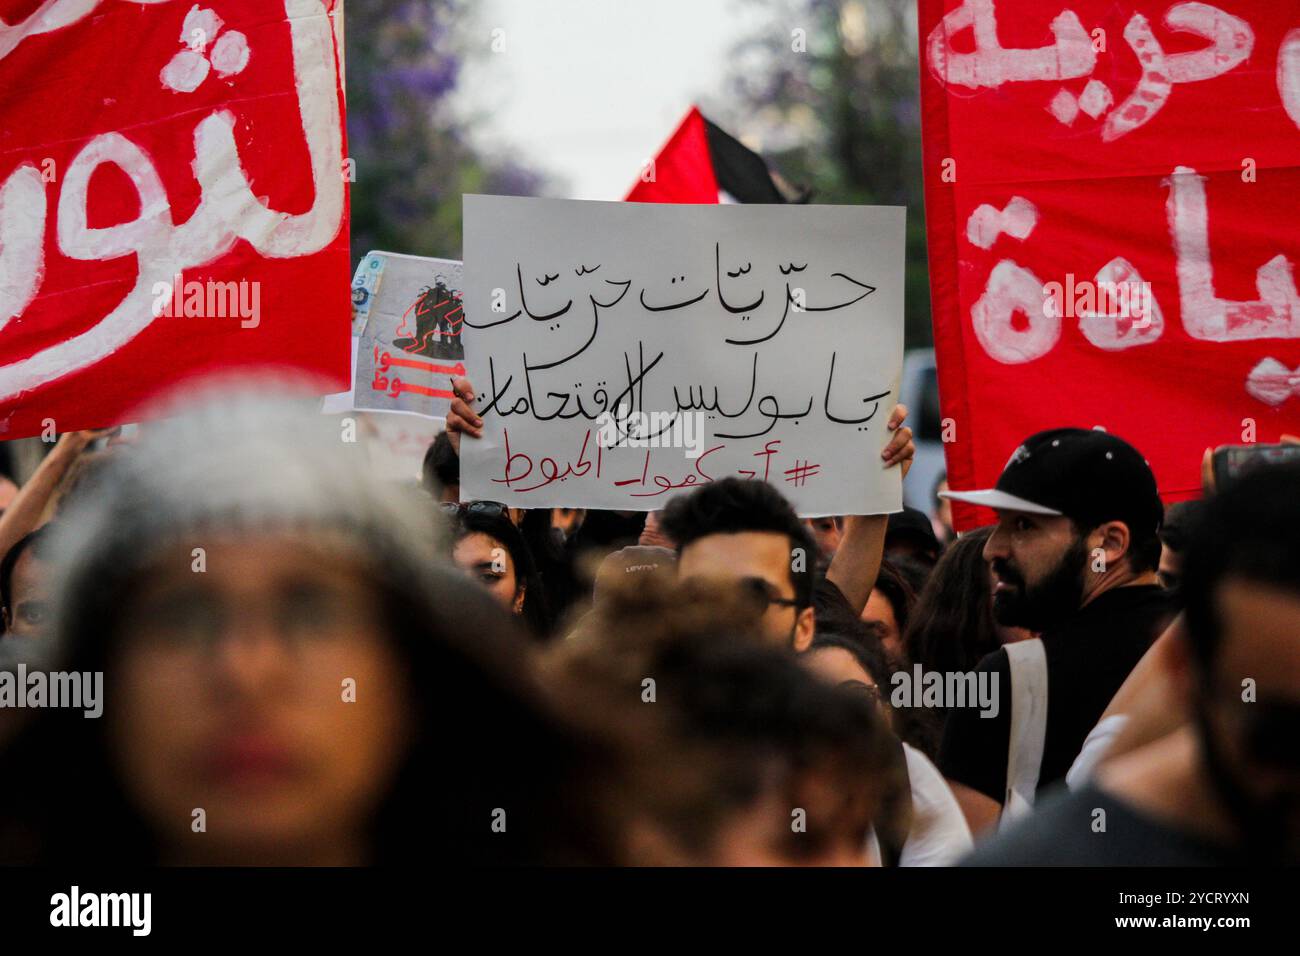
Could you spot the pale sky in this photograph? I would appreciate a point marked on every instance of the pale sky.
(588, 90)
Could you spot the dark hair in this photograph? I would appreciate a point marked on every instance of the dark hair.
(1249, 530)
(834, 614)
(914, 572)
(839, 626)
(441, 467)
(554, 562)
(952, 627)
(536, 610)
(759, 703)
(727, 705)
(484, 737)
(733, 505)
(35, 541)
(1144, 551)
(898, 592)
(1179, 519)
(869, 655)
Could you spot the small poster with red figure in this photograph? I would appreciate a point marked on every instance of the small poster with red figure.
(410, 319)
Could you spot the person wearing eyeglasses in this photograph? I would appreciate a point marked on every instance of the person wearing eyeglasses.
(743, 530)
(290, 675)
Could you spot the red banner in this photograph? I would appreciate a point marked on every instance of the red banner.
(172, 200)
(1112, 191)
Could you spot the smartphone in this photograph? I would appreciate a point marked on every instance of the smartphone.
(1233, 461)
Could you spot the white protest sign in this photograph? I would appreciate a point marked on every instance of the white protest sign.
(623, 353)
(407, 316)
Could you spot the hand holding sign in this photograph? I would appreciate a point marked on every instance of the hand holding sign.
(626, 352)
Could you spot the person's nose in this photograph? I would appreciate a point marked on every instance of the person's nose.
(253, 655)
(997, 545)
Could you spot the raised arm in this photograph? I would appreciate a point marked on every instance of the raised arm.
(25, 511)
(857, 560)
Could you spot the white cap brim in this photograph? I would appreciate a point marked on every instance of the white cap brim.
(999, 500)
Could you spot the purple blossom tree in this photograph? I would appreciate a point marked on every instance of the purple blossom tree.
(412, 157)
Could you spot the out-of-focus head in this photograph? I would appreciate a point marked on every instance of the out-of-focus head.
(441, 469)
(652, 536)
(856, 664)
(745, 531)
(282, 652)
(25, 592)
(629, 567)
(734, 754)
(1174, 535)
(910, 536)
(1241, 589)
(567, 521)
(826, 531)
(25, 609)
(1077, 509)
(889, 608)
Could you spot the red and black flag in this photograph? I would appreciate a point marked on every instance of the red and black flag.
(701, 163)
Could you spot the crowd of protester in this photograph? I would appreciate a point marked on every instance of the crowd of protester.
(304, 665)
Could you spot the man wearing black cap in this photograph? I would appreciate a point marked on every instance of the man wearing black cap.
(1074, 557)
(1223, 789)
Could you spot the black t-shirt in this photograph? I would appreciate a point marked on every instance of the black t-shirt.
(1067, 830)
(1088, 658)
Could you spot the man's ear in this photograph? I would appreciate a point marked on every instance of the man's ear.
(8, 621)
(805, 628)
(520, 593)
(1109, 545)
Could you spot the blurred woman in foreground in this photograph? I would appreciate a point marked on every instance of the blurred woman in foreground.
(289, 675)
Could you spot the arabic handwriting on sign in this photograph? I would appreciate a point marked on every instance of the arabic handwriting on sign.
(548, 467)
(523, 298)
(801, 305)
(679, 412)
(873, 400)
(526, 404)
(770, 448)
(227, 211)
(697, 476)
(699, 404)
(717, 274)
(669, 307)
(770, 407)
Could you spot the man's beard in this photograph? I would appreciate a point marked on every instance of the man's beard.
(1051, 600)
